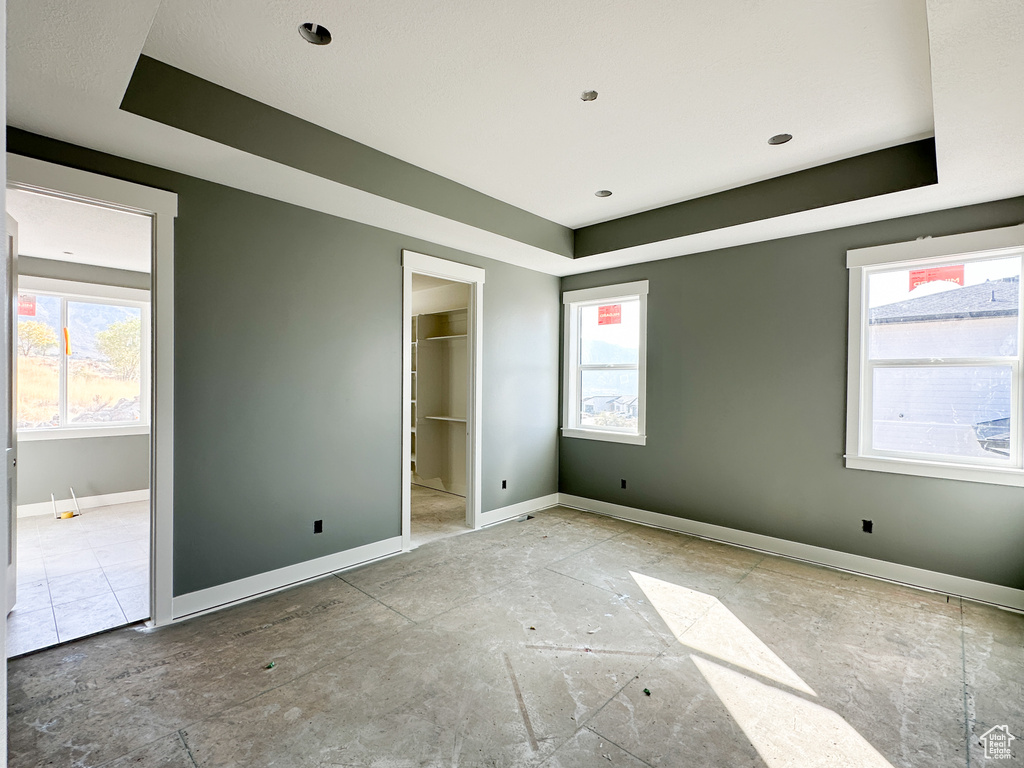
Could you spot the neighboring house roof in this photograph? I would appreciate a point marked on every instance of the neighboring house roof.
(602, 399)
(993, 298)
(626, 400)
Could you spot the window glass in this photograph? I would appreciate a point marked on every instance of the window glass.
(943, 411)
(610, 333)
(39, 338)
(957, 310)
(605, 358)
(609, 398)
(105, 363)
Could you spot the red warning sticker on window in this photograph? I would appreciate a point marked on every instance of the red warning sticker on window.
(610, 314)
(950, 274)
(26, 305)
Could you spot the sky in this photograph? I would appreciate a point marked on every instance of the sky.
(624, 334)
(890, 287)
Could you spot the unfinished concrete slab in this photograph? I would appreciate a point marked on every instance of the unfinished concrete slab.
(562, 641)
(435, 514)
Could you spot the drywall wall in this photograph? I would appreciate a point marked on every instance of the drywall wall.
(288, 388)
(93, 466)
(881, 172)
(746, 385)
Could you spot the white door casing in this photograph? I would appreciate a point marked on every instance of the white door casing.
(10, 348)
(162, 207)
(419, 263)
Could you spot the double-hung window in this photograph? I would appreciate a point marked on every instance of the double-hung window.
(605, 363)
(82, 359)
(936, 357)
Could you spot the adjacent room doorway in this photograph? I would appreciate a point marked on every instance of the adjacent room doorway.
(442, 308)
(82, 339)
(92, 519)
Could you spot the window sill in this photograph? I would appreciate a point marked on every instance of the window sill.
(938, 469)
(72, 433)
(608, 437)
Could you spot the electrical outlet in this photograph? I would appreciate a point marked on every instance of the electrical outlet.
(623, 484)
(866, 525)
(318, 526)
(504, 485)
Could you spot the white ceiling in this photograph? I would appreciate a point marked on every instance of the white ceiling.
(487, 94)
(65, 230)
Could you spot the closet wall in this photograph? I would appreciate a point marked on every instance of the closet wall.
(439, 384)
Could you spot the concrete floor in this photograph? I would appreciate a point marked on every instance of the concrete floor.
(435, 515)
(79, 576)
(532, 643)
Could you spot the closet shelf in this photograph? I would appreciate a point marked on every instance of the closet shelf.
(447, 311)
(445, 338)
(447, 418)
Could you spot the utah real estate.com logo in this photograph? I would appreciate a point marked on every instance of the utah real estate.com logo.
(997, 742)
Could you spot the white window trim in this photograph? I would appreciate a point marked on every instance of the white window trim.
(602, 295)
(919, 253)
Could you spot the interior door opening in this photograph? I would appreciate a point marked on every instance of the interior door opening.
(441, 460)
(82, 333)
(439, 382)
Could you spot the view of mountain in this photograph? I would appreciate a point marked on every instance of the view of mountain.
(85, 320)
(602, 352)
(608, 382)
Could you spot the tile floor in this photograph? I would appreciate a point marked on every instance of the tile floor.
(566, 641)
(435, 515)
(79, 576)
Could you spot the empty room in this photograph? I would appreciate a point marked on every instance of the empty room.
(527, 384)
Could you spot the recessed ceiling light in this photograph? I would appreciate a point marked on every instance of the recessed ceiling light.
(603, 193)
(588, 95)
(314, 33)
(780, 138)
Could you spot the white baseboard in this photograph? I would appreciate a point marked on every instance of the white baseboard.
(223, 595)
(518, 510)
(934, 581)
(85, 502)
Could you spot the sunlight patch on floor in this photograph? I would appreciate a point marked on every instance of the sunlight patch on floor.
(701, 622)
(787, 729)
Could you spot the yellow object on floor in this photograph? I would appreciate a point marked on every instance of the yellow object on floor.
(66, 515)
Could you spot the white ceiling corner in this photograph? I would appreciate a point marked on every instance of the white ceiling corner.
(688, 92)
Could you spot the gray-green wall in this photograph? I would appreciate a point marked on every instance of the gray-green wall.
(92, 466)
(288, 376)
(746, 385)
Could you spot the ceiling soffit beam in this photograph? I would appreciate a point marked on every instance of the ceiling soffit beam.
(882, 172)
(171, 96)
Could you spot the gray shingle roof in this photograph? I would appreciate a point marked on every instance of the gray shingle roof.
(993, 298)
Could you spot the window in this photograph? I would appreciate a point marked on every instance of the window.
(605, 363)
(83, 360)
(935, 358)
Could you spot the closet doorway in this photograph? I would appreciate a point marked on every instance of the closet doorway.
(441, 330)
